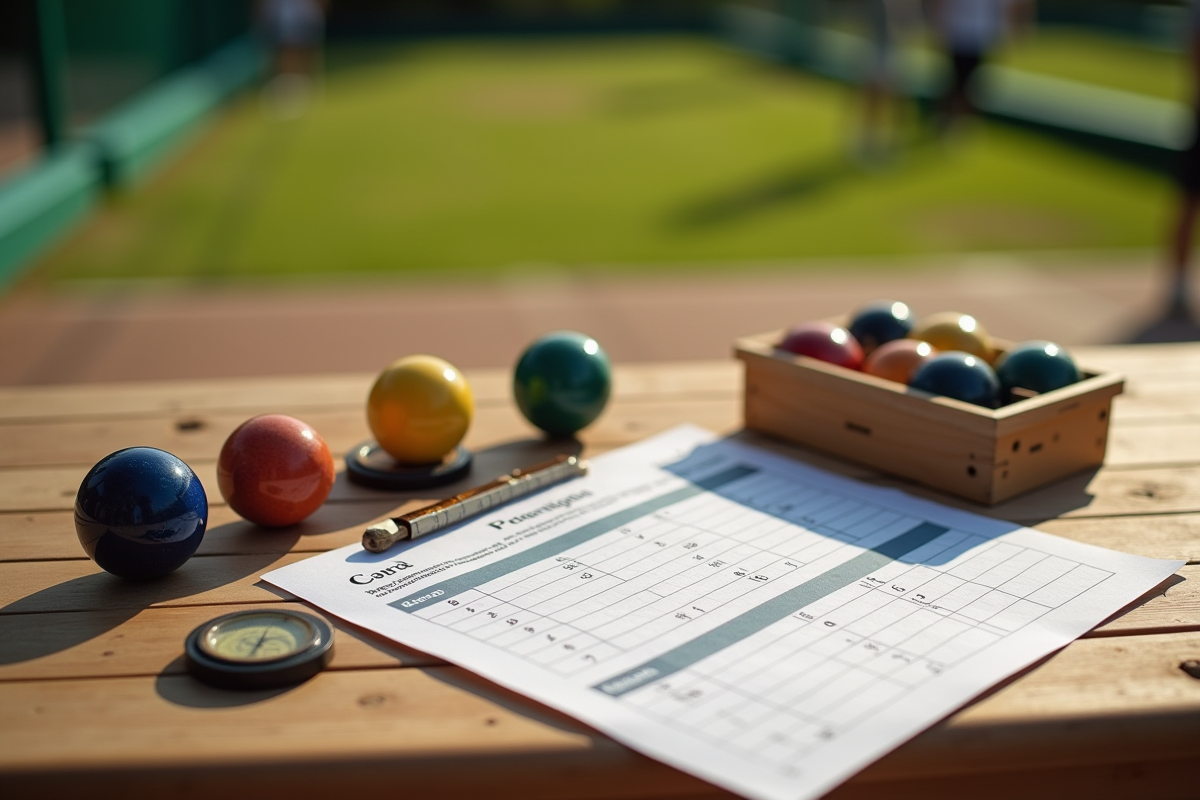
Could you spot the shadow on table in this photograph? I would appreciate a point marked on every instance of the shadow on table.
(108, 602)
(1149, 597)
(184, 690)
(1168, 328)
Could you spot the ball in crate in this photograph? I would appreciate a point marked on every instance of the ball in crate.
(140, 513)
(963, 376)
(897, 360)
(950, 330)
(824, 341)
(562, 382)
(419, 409)
(1037, 367)
(879, 323)
(275, 470)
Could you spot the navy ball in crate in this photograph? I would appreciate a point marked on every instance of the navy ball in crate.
(881, 322)
(140, 513)
(959, 375)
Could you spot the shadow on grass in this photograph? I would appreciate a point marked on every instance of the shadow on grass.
(343, 60)
(764, 193)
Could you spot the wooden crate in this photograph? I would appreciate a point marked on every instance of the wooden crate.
(985, 455)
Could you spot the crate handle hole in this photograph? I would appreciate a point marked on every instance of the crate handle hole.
(1016, 445)
(1036, 447)
(1103, 414)
(971, 470)
(863, 429)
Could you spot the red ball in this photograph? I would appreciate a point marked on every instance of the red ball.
(824, 341)
(275, 470)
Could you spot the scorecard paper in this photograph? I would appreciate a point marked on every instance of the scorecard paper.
(759, 623)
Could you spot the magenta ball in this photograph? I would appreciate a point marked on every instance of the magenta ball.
(275, 470)
(824, 341)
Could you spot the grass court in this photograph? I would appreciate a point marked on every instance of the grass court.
(620, 152)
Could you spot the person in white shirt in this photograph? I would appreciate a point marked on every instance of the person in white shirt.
(969, 31)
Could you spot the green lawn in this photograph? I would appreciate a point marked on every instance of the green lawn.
(617, 151)
(1081, 55)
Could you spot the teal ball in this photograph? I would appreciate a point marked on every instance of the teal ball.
(562, 382)
(1037, 366)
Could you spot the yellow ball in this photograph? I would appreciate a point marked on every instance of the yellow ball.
(950, 330)
(419, 409)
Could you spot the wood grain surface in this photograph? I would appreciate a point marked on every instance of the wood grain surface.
(93, 693)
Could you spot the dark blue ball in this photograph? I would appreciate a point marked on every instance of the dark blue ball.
(881, 322)
(1036, 366)
(140, 513)
(959, 375)
(562, 382)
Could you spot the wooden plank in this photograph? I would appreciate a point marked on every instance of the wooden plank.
(1075, 708)
(198, 438)
(51, 536)
(47, 536)
(1172, 358)
(129, 642)
(1158, 399)
(1154, 444)
(1161, 779)
(1104, 493)
(302, 394)
(1171, 536)
(1098, 702)
(499, 445)
(1108, 492)
(49, 586)
(40, 586)
(437, 732)
(20, 404)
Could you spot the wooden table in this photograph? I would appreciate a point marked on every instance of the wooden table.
(94, 699)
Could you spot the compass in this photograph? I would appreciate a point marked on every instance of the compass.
(259, 649)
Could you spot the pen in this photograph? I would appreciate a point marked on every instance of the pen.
(441, 514)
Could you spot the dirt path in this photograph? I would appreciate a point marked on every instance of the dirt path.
(129, 332)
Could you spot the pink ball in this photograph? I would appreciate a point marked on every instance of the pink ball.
(824, 341)
(275, 470)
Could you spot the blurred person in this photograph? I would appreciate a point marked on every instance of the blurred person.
(1180, 254)
(886, 21)
(295, 30)
(970, 30)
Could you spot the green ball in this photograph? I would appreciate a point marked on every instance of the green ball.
(562, 382)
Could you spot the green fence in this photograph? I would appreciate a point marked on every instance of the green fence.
(117, 87)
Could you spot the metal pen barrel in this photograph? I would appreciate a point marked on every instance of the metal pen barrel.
(429, 519)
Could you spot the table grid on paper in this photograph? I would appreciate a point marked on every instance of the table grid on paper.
(779, 691)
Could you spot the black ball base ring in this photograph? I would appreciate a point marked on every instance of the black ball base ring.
(368, 464)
